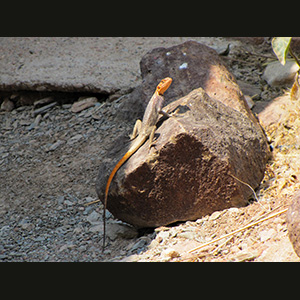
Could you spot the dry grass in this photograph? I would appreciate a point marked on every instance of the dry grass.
(283, 171)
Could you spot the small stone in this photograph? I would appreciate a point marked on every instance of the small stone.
(138, 245)
(163, 235)
(42, 102)
(215, 215)
(77, 230)
(60, 199)
(153, 244)
(267, 234)
(75, 139)
(83, 104)
(66, 246)
(96, 117)
(170, 253)
(94, 218)
(68, 203)
(25, 122)
(278, 75)
(89, 199)
(66, 106)
(233, 211)
(161, 228)
(44, 109)
(27, 226)
(37, 120)
(115, 230)
(187, 235)
(55, 145)
(31, 126)
(249, 101)
(7, 105)
(244, 256)
(96, 228)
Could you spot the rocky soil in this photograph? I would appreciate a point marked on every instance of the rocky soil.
(49, 163)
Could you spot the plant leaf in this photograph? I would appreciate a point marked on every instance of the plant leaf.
(280, 47)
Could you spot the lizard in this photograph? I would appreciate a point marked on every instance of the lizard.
(141, 132)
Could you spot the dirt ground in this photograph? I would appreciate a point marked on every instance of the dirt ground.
(49, 165)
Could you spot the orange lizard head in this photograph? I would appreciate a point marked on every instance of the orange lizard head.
(163, 85)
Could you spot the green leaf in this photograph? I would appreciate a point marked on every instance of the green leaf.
(280, 47)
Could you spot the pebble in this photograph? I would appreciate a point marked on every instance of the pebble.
(215, 215)
(138, 246)
(7, 105)
(267, 234)
(44, 109)
(55, 145)
(83, 104)
(187, 235)
(244, 256)
(162, 235)
(278, 75)
(170, 253)
(114, 230)
(94, 218)
(96, 228)
(75, 139)
(69, 203)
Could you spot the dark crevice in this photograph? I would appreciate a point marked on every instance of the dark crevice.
(27, 98)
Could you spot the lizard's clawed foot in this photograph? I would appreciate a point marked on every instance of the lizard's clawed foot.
(151, 145)
(175, 113)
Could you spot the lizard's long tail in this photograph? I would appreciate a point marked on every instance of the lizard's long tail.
(136, 145)
(110, 178)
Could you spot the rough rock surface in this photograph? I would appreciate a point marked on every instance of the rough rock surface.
(186, 175)
(107, 65)
(293, 223)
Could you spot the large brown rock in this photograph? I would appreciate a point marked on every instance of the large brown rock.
(191, 65)
(293, 222)
(187, 174)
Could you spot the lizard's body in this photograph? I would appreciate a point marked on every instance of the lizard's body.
(142, 130)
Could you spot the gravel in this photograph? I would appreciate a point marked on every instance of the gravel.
(51, 222)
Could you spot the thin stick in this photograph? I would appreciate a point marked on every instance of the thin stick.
(294, 56)
(238, 230)
(216, 250)
(92, 202)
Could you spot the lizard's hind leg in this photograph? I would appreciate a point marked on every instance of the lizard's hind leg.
(136, 129)
(151, 136)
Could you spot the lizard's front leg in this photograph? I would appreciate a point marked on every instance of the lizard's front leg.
(136, 129)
